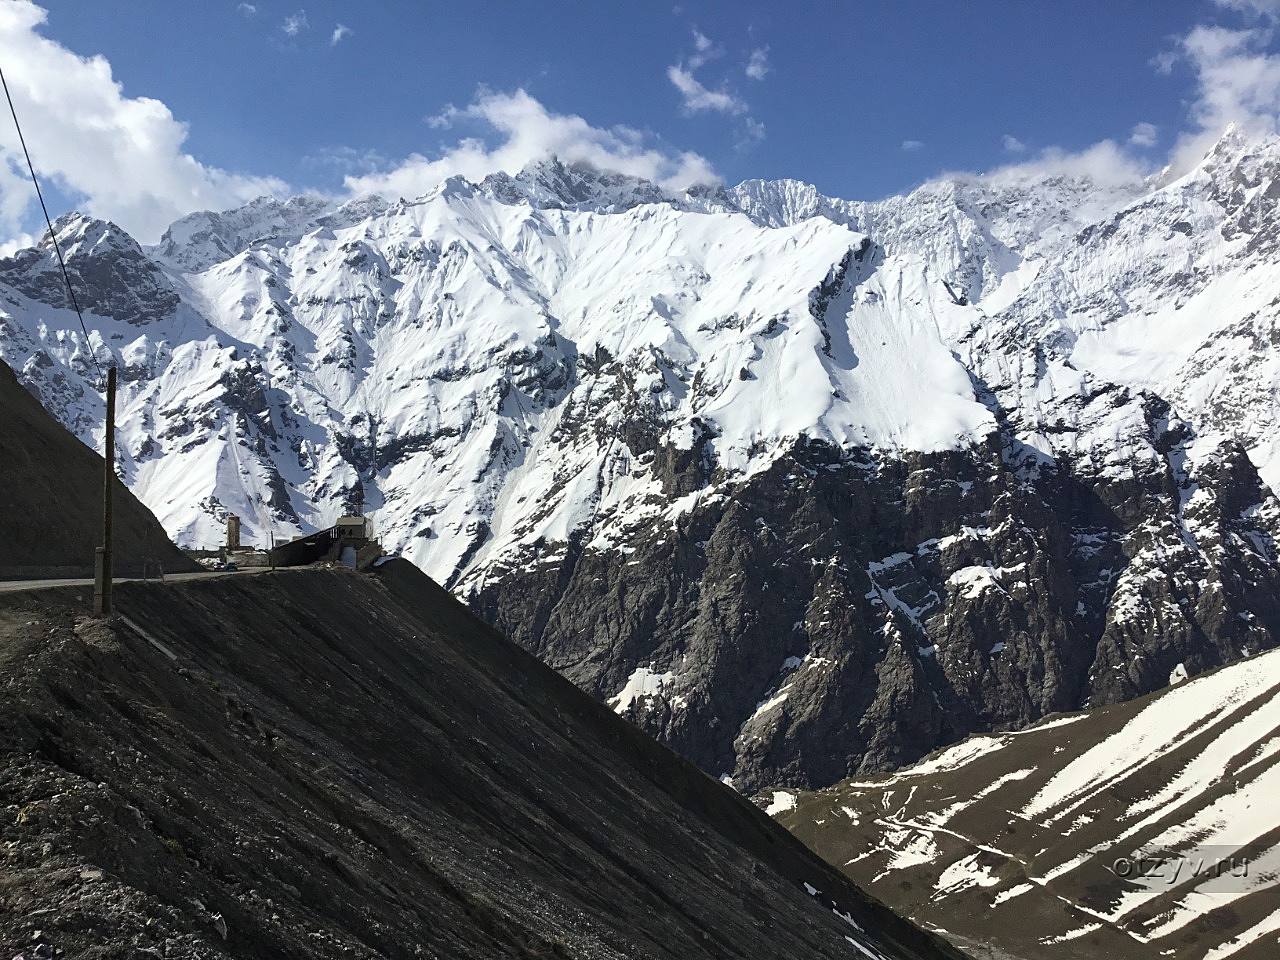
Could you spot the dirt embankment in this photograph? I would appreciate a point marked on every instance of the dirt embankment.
(328, 764)
(51, 501)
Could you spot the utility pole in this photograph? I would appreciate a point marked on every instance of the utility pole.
(102, 556)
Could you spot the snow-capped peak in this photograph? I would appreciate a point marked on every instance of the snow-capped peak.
(85, 236)
(753, 315)
(199, 240)
(574, 186)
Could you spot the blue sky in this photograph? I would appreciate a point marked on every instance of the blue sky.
(861, 97)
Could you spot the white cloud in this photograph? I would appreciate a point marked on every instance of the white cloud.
(295, 23)
(347, 160)
(527, 131)
(752, 133)
(698, 98)
(757, 67)
(1012, 144)
(705, 50)
(119, 157)
(339, 32)
(912, 145)
(1269, 9)
(1237, 83)
(1144, 135)
(21, 242)
(1163, 62)
(247, 9)
(1106, 163)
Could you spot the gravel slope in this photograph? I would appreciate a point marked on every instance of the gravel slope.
(320, 763)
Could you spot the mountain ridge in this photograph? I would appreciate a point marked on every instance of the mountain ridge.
(994, 449)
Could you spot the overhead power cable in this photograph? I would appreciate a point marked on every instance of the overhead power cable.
(52, 236)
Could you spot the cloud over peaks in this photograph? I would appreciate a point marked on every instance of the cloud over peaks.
(1237, 82)
(119, 157)
(524, 130)
(1144, 135)
(1105, 163)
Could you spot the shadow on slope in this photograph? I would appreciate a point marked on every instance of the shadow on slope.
(51, 500)
(317, 763)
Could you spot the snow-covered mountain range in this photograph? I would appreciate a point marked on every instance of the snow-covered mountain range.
(802, 485)
(1141, 830)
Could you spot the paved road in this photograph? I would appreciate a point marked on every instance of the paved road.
(9, 586)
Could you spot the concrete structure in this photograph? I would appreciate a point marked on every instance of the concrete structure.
(233, 532)
(349, 535)
(348, 542)
(352, 528)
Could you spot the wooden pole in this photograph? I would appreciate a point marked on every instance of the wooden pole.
(102, 560)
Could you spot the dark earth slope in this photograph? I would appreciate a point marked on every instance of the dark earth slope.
(51, 500)
(1146, 830)
(319, 763)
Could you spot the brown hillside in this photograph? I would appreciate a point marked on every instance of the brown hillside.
(51, 500)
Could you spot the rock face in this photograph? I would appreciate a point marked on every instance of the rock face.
(979, 599)
(803, 486)
(107, 269)
(324, 764)
(1136, 832)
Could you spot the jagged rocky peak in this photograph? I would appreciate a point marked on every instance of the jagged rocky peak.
(552, 183)
(1239, 176)
(1234, 144)
(83, 236)
(777, 203)
(972, 231)
(199, 240)
(1244, 178)
(353, 212)
(112, 275)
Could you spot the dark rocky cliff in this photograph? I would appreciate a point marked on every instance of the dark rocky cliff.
(839, 614)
